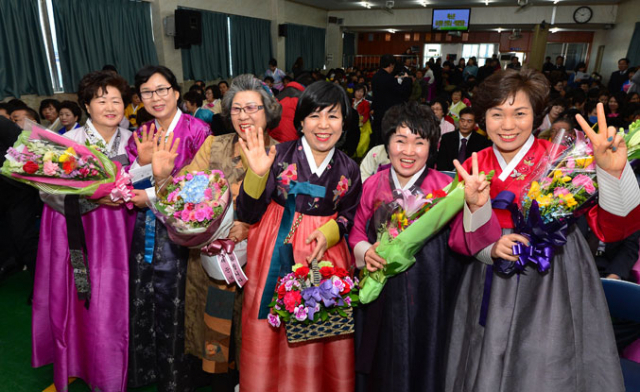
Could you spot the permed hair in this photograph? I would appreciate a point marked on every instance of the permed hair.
(94, 84)
(248, 82)
(504, 85)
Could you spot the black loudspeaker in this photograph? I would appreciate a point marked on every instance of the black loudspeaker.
(282, 30)
(188, 28)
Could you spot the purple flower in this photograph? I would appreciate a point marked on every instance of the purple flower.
(311, 295)
(312, 310)
(273, 319)
(329, 292)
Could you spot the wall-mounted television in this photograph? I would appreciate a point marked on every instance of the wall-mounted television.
(451, 19)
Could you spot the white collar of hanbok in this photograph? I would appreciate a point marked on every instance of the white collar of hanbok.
(409, 183)
(507, 169)
(315, 169)
(94, 136)
(173, 124)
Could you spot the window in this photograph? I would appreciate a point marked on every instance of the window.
(416, 36)
(407, 37)
(50, 43)
(480, 51)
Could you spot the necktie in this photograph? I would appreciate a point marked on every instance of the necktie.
(462, 152)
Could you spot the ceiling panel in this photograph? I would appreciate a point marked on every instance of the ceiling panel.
(335, 5)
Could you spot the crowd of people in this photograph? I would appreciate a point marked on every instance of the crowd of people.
(317, 157)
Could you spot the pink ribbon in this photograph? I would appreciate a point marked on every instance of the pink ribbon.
(123, 189)
(227, 260)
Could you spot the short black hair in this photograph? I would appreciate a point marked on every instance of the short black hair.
(269, 79)
(387, 60)
(467, 110)
(273, 62)
(110, 67)
(360, 86)
(45, 103)
(193, 97)
(5, 106)
(420, 119)
(146, 72)
(317, 97)
(215, 90)
(72, 106)
(94, 84)
(625, 60)
(443, 103)
(223, 82)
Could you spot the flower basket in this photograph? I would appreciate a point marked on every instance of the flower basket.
(336, 325)
(314, 303)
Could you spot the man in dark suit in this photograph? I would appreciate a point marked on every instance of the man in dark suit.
(620, 76)
(387, 92)
(20, 206)
(461, 143)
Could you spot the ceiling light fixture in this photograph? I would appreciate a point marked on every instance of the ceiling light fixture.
(499, 30)
(366, 4)
(554, 30)
(486, 2)
(423, 3)
(392, 31)
(556, 1)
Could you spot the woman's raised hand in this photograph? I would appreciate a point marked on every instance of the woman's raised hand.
(164, 155)
(609, 148)
(259, 160)
(145, 144)
(476, 185)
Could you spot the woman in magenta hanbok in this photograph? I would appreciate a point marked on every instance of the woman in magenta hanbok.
(87, 337)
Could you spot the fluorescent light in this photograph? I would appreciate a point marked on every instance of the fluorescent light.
(366, 4)
(499, 29)
(554, 30)
(392, 31)
(423, 3)
(486, 2)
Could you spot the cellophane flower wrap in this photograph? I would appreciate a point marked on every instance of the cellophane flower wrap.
(192, 206)
(298, 300)
(632, 139)
(57, 165)
(414, 219)
(564, 186)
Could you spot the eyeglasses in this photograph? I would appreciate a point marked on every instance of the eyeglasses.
(249, 109)
(162, 92)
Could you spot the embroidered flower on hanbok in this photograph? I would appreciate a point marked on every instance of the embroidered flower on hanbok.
(341, 190)
(288, 174)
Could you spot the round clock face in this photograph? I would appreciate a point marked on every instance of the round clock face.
(582, 15)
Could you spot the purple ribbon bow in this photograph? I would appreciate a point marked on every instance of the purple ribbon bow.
(217, 246)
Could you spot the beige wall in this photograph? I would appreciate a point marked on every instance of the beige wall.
(616, 41)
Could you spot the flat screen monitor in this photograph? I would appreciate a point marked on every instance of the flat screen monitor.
(451, 19)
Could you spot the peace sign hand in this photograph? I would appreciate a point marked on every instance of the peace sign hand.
(145, 144)
(476, 185)
(164, 155)
(609, 148)
(259, 160)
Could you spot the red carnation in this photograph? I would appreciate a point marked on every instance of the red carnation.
(302, 272)
(281, 291)
(291, 300)
(346, 289)
(340, 272)
(439, 193)
(327, 272)
(69, 165)
(30, 167)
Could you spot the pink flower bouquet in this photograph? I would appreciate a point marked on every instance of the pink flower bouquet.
(193, 207)
(57, 165)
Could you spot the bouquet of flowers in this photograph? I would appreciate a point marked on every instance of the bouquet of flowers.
(563, 189)
(314, 302)
(414, 220)
(57, 165)
(196, 208)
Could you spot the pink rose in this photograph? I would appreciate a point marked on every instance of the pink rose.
(571, 164)
(585, 182)
(185, 215)
(560, 191)
(393, 232)
(50, 168)
(208, 194)
(201, 215)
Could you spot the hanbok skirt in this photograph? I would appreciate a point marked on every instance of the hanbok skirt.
(401, 336)
(546, 332)
(87, 343)
(267, 361)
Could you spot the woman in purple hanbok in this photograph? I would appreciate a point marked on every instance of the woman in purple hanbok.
(87, 338)
(158, 266)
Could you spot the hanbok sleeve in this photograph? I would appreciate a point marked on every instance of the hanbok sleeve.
(255, 195)
(358, 239)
